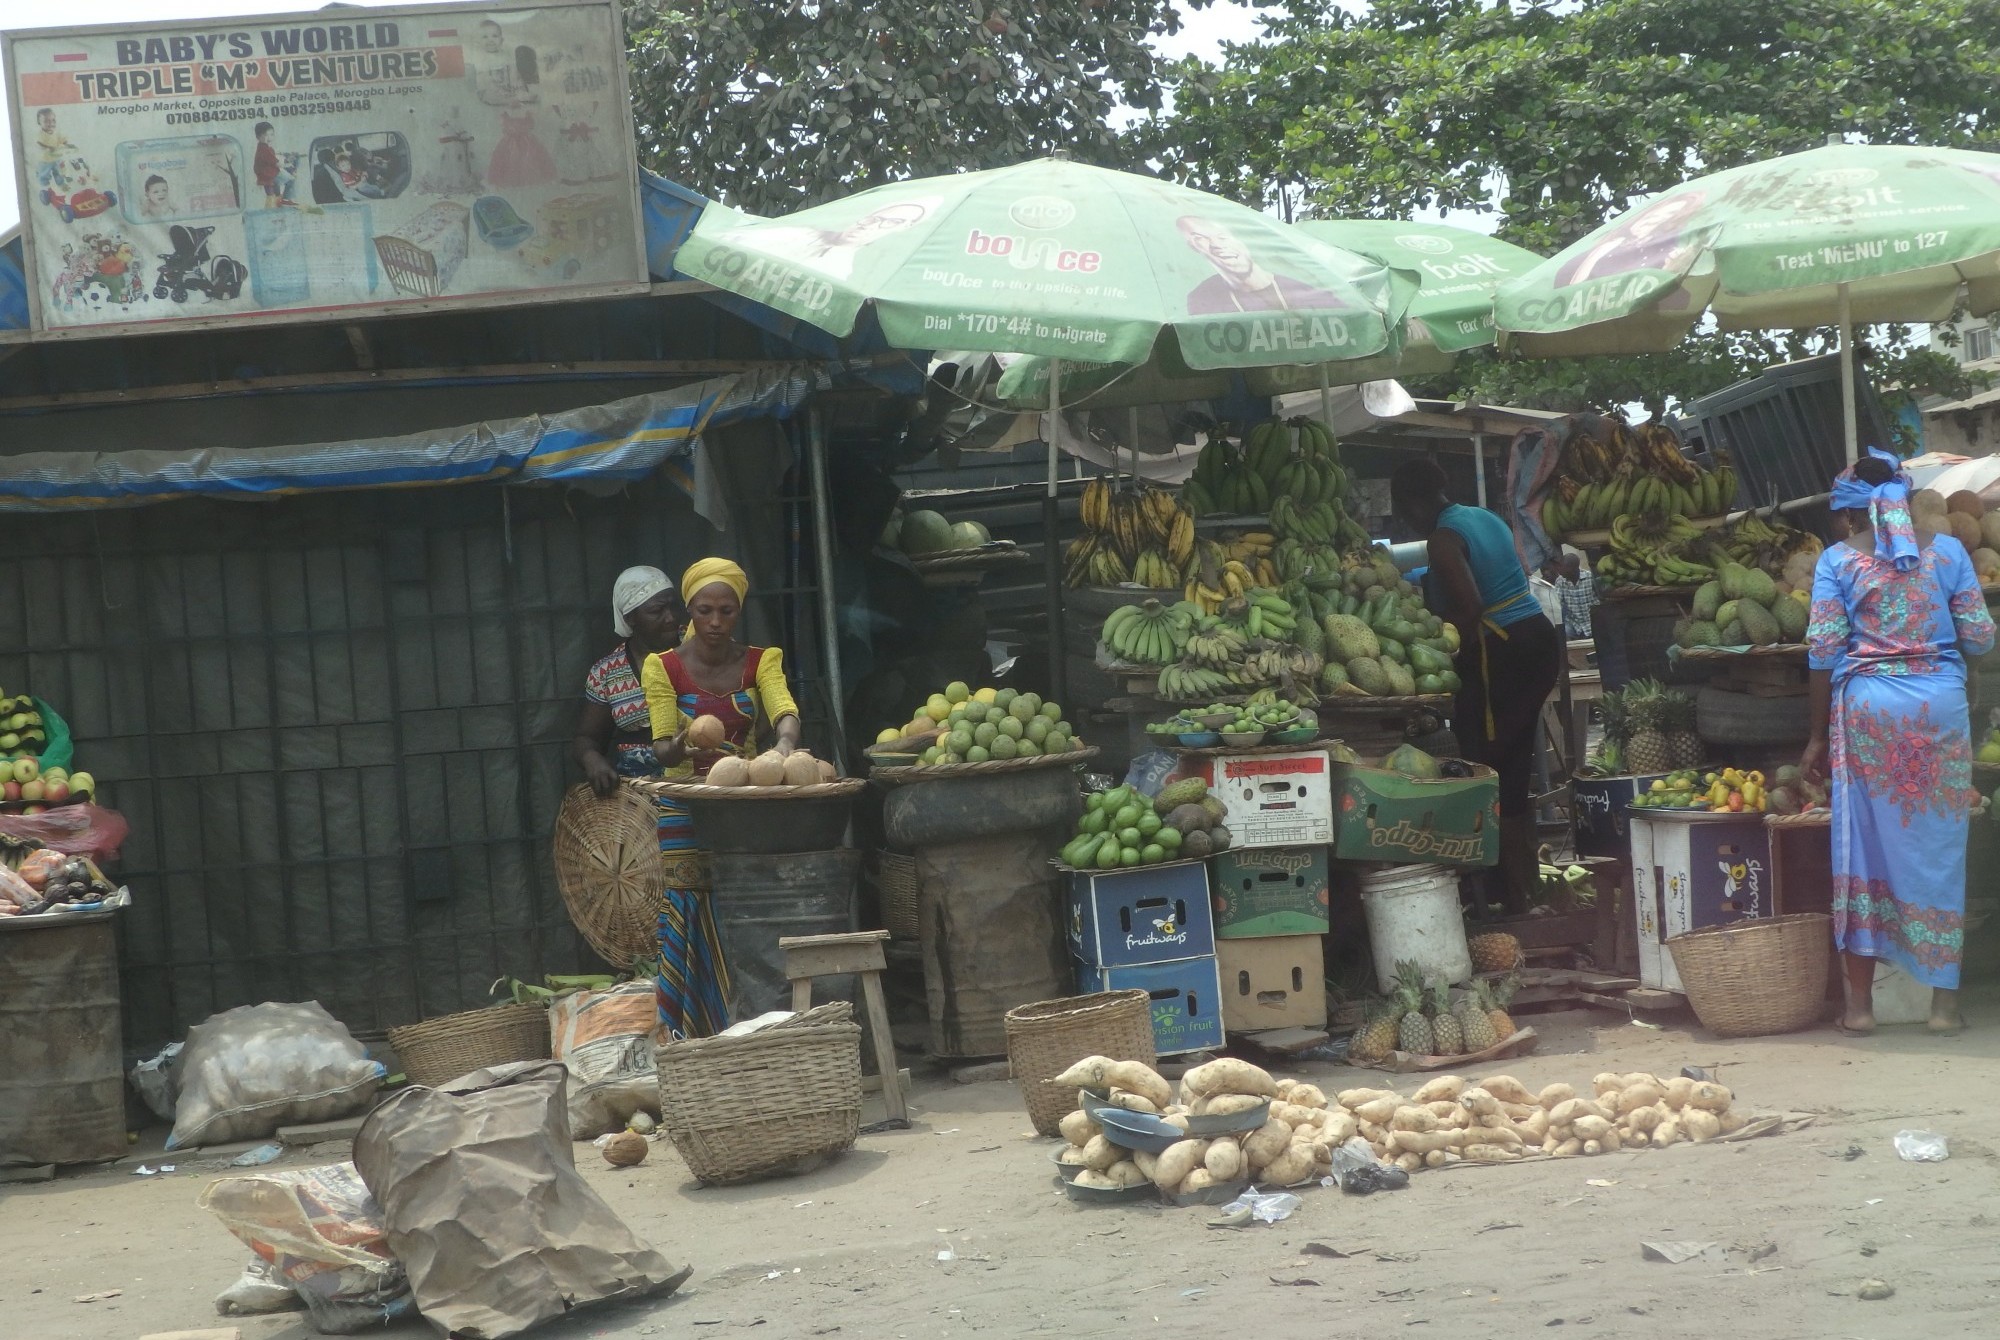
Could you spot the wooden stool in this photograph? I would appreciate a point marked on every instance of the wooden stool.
(859, 953)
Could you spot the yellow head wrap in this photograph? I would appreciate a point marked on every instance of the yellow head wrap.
(709, 571)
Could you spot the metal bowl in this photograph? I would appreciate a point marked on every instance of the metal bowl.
(1242, 739)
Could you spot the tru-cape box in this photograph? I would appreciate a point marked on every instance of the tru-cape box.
(1147, 914)
(1272, 800)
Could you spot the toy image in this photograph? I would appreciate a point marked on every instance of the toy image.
(189, 268)
(71, 190)
(103, 269)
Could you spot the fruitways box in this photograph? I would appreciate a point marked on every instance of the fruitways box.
(1271, 800)
(1270, 891)
(1385, 816)
(1692, 869)
(1186, 999)
(1147, 914)
(1276, 982)
(1601, 805)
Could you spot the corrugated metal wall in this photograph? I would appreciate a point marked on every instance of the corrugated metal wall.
(339, 724)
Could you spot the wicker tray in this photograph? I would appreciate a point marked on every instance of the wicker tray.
(1049, 1036)
(940, 771)
(1759, 976)
(996, 554)
(779, 1100)
(438, 1051)
(1814, 819)
(845, 786)
(608, 869)
(1631, 592)
(1731, 653)
(1377, 706)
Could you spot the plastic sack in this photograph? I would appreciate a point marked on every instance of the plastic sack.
(57, 751)
(1149, 771)
(1922, 1147)
(1359, 1173)
(74, 830)
(606, 1039)
(248, 1071)
(322, 1234)
(259, 1289)
(155, 1080)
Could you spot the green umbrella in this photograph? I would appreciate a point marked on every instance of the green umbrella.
(1457, 270)
(1060, 259)
(1835, 235)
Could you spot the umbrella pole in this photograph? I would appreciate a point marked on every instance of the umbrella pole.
(1052, 546)
(1849, 419)
(823, 558)
(1325, 400)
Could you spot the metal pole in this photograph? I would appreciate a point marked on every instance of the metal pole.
(1325, 400)
(1848, 418)
(1479, 464)
(823, 545)
(1052, 546)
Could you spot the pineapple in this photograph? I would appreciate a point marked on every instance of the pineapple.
(1413, 1028)
(1647, 750)
(1496, 995)
(1445, 1029)
(1473, 1020)
(1683, 743)
(1377, 1037)
(1494, 952)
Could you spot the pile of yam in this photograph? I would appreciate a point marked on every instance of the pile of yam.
(1448, 1120)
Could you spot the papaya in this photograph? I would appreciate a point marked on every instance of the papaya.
(1412, 762)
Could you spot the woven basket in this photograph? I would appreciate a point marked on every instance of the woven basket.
(438, 1051)
(1766, 975)
(937, 772)
(1048, 1037)
(607, 859)
(896, 882)
(774, 1101)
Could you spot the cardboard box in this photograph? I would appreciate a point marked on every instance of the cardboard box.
(1601, 804)
(1270, 891)
(1692, 869)
(1187, 999)
(1272, 800)
(1275, 982)
(1387, 817)
(1148, 914)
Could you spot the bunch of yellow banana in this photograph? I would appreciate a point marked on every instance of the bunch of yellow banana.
(1248, 545)
(1151, 568)
(1652, 549)
(1639, 469)
(1128, 524)
(1186, 683)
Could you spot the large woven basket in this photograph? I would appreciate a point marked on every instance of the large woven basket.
(1764, 975)
(608, 867)
(1048, 1037)
(439, 1050)
(774, 1101)
(896, 882)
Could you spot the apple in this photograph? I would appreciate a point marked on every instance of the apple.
(10, 790)
(34, 790)
(10, 741)
(19, 721)
(35, 809)
(55, 792)
(82, 784)
(26, 769)
(55, 774)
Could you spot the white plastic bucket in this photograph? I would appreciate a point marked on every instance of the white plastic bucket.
(1413, 914)
(1899, 998)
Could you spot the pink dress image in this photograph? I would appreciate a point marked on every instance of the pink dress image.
(519, 159)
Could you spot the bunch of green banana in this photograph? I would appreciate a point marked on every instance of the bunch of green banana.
(1654, 549)
(1264, 614)
(1151, 568)
(1148, 633)
(1318, 524)
(1215, 644)
(1187, 683)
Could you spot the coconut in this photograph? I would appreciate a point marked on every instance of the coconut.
(729, 771)
(1965, 529)
(706, 733)
(801, 769)
(1966, 501)
(827, 773)
(1927, 501)
(625, 1149)
(768, 769)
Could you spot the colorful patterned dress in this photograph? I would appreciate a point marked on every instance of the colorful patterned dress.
(693, 978)
(1899, 749)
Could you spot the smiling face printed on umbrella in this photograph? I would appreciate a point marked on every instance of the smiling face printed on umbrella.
(1656, 237)
(833, 251)
(1240, 283)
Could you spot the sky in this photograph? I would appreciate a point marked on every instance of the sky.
(1203, 35)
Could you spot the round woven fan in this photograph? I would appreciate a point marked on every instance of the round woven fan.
(607, 859)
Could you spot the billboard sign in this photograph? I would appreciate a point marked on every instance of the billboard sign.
(347, 162)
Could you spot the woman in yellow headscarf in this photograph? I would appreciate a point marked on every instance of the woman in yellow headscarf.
(709, 674)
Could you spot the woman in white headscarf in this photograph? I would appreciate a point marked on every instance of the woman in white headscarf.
(614, 734)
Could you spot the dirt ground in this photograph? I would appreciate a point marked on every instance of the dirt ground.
(859, 1248)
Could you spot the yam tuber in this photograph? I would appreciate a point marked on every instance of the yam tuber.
(1307, 1095)
(1710, 1097)
(1507, 1089)
(1421, 1142)
(1592, 1147)
(1589, 1127)
(1569, 1147)
(1443, 1087)
(1436, 1158)
(1178, 1119)
(1294, 1165)
(1087, 1073)
(1352, 1099)
(1645, 1118)
(1732, 1121)
(1177, 1160)
(1636, 1096)
(1201, 1179)
(1413, 1119)
(1679, 1089)
(1611, 1141)
(1137, 1077)
(1480, 1102)
(1072, 1157)
(1229, 1104)
(1667, 1133)
(1090, 1177)
(1146, 1162)
(1285, 1087)
(1409, 1162)
(1700, 1124)
(1229, 1075)
(1554, 1094)
(1100, 1153)
(1637, 1077)
(1338, 1128)
(1605, 1082)
(1133, 1102)
(1224, 1160)
(1077, 1128)
(1490, 1153)
(1126, 1172)
(1266, 1143)
(1379, 1110)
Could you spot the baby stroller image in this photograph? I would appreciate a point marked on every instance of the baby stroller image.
(189, 267)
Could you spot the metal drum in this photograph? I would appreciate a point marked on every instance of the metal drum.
(758, 899)
(62, 1086)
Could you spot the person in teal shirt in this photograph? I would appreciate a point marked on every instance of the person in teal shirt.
(1508, 658)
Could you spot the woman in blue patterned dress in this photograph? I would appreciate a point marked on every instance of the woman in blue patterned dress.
(1894, 614)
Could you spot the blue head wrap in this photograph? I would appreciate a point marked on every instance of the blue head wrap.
(1888, 508)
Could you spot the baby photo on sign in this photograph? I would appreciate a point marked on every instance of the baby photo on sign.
(168, 180)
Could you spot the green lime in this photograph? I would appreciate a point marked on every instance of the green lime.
(1149, 824)
(1037, 729)
(1027, 749)
(1169, 838)
(1034, 702)
(956, 692)
(1128, 856)
(984, 732)
(932, 754)
(1005, 698)
(1002, 746)
(1057, 743)
(1019, 710)
(959, 740)
(977, 754)
(1011, 728)
(1152, 854)
(1129, 837)
(1052, 711)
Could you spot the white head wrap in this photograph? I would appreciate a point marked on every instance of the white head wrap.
(634, 587)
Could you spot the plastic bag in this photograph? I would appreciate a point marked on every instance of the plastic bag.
(156, 1081)
(1921, 1147)
(606, 1039)
(1266, 1207)
(75, 830)
(321, 1231)
(250, 1070)
(259, 1289)
(57, 750)
(1360, 1173)
(1149, 771)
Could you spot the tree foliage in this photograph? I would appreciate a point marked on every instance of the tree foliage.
(771, 105)
(1556, 116)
